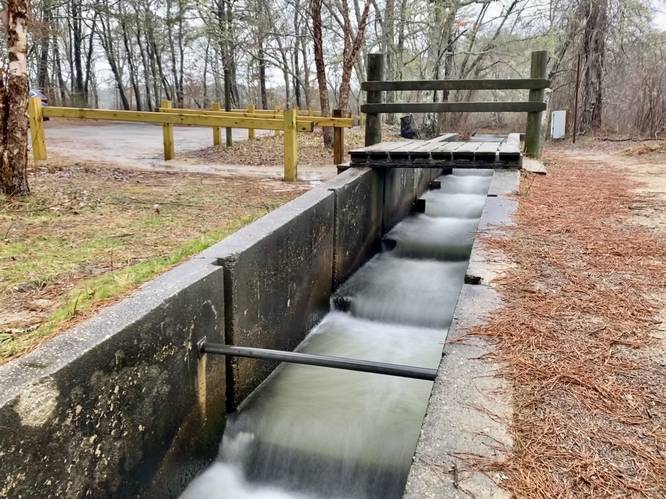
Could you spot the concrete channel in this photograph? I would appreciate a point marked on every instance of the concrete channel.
(123, 406)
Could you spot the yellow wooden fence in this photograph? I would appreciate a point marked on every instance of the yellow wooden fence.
(288, 122)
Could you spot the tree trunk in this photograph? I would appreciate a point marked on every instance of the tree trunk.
(594, 50)
(315, 13)
(13, 103)
(350, 51)
(262, 76)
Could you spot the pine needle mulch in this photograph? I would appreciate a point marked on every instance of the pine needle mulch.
(576, 338)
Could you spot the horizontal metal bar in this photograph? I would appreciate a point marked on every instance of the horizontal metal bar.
(367, 366)
(425, 85)
(455, 107)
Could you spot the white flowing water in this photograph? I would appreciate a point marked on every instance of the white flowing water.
(311, 432)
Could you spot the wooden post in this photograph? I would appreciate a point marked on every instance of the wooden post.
(575, 113)
(373, 124)
(338, 140)
(277, 110)
(217, 136)
(37, 129)
(167, 134)
(250, 131)
(290, 146)
(533, 136)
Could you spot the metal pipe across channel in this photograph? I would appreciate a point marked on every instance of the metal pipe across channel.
(319, 360)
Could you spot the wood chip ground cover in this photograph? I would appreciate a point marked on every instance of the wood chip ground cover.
(90, 235)
(577, 337)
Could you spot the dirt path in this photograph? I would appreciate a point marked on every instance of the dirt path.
(581, 335)
(139, 147)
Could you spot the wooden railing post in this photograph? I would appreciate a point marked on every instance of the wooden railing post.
(373, 124)
(290, 146)
(250, 131)
(37, 129)
(533, 135)
(217, 133)
(277, 111)
(338, 140)
(167, 134)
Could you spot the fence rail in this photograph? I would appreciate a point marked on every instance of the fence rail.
(455, 107)
(288, 121)
(430, 85)
(535, 106)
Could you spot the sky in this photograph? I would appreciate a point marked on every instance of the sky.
(660, 14)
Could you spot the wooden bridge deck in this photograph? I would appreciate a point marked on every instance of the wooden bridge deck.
(481, 151)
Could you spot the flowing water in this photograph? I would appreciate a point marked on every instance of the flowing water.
(310, 432)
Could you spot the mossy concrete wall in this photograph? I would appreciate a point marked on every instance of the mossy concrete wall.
(122, 406)
(113, 408)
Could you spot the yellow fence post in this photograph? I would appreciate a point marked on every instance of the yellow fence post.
(250, 131)
(167, 134)
(37, 129)
(217, 136)
(276, 111)
(290, 146)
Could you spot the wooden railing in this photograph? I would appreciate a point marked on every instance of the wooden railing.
(289, 122)
(534, 106)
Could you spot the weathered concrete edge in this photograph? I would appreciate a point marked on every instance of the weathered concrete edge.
(278, 276)
(87, 407)
(358, 220)
(466, 386)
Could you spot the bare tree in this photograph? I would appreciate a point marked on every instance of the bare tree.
(13, 102)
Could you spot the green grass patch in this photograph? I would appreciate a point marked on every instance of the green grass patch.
(93, 292)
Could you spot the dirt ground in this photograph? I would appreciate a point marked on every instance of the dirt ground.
(90, 234)
(581, 334)
(138, 146)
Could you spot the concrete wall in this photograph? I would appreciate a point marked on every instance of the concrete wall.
(105, 408)
(359, 201)
(122, 405)
(277, 274)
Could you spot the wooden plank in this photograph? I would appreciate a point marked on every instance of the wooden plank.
(533, 136)
(444, 151)
(377, 151)
(487, 152)
(373, 123)
(455, 107)
(36, 119)
(174, 118)
(290, 146)
(250, 131)
(465, 152)
(217, 137)
(319, 121)
(167, 135)
(429, 85)
(419, 149)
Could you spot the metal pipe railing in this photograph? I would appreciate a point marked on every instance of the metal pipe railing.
(367, 366)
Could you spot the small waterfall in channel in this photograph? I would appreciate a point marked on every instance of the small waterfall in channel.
(311, 432)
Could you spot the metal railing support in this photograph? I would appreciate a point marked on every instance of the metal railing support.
(309, 359)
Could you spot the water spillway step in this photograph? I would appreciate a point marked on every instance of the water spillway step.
(309, 432)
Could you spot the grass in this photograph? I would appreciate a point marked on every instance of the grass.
(92, 293)
(88, 236)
